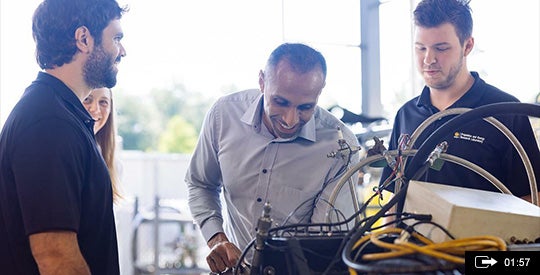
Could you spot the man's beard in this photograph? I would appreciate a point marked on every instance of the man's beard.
(450, 78)
(99, 69)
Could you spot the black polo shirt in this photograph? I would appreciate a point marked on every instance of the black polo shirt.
(52, 177)
(478, 141)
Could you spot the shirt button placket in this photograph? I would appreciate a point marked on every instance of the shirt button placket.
(264, 171)
(264, 174)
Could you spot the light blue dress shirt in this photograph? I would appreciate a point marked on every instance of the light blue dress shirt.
(237, 154)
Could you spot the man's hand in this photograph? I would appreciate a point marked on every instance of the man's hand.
(223, 254)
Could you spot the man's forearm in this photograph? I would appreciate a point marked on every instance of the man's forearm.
(58, 253)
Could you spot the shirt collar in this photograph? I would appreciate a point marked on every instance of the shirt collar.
(468, 100)
(253, 117)
(67, 95)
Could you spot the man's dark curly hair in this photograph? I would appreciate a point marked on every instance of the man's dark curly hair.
(55, 21)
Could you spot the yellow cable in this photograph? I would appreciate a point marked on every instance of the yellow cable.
(434, 253)
(448, 250)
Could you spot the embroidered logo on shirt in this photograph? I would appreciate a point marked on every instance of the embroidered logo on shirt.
(469, 137)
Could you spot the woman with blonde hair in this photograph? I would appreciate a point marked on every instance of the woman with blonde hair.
(99, 104)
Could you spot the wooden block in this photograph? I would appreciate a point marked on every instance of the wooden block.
(466, 212)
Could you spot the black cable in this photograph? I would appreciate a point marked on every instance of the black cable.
(350, 232)
(398, 220)
(344, 242)
(330, 225)
(437, 225)
(345, 255)
(243, 256)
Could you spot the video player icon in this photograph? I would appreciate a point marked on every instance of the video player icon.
(484, 261)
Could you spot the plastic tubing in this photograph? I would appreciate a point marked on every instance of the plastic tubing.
(516, 108)
(457, 160)
(497, 124)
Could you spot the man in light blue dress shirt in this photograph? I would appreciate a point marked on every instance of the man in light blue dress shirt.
(268, 145)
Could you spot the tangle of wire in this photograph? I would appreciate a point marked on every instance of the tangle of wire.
(297, 228)
(449, 251)
(361, 228)
(293, 229)
(358, 230)
(409, 242)
(333, 208)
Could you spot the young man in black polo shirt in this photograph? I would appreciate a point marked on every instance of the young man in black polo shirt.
(442, 43)
(56, 212)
